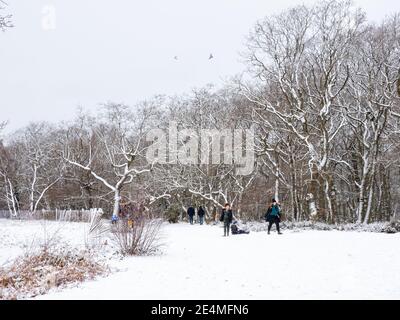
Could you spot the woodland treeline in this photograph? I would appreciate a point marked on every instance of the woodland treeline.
(320, 88)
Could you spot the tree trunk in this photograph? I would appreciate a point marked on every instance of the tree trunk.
(370, 195)
(361, 193)
(313, 191)
(277, 172)
(328, 201)
(117, 200)
(32, 195)
(13, 199)
(294, 197)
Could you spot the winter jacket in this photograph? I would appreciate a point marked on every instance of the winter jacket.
(190, 211)
(226, 216)
(275, 212)
(201, 212)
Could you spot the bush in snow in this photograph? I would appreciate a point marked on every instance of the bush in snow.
(37, 272)
(377, 227)
(392, 227)
(98, 229)
(138, 236)
(172, 213)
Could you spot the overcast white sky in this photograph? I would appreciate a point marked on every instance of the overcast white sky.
(123, 50)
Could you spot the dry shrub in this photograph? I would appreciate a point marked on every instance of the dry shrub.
(36, 273)
(98, 229)
(139, 236)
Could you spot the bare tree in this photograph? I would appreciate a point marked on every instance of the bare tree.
(374, 91)
(8, 175)
(5, 20)
(41, 167)
(302, 56)
(118, 138)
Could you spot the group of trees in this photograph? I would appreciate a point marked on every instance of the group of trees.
(321, 93)
(5, 19)
(328, 84)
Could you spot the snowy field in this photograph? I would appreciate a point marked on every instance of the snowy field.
(198, 263)
(19, 237)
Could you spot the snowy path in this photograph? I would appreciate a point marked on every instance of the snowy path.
(198, 263)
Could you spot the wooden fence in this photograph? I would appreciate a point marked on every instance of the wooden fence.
(56, 215)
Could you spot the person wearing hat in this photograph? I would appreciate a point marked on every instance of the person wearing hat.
(273, 216)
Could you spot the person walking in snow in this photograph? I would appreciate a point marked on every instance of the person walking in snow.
(201, 213)
(226, 218)
(190, 212)
(273, 216)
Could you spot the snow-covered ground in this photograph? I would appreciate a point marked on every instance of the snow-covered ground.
(198, 263)
(19, 237)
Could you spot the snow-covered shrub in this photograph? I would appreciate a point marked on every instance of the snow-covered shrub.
(138, 237)
(392, 227)
(172, 213)
(98, 229)
(376, 227)
(37, 272)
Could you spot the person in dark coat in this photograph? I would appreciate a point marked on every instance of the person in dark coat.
(201, 213)
(273, 216)
(190, 212)
(237, 230)
(226, 218)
